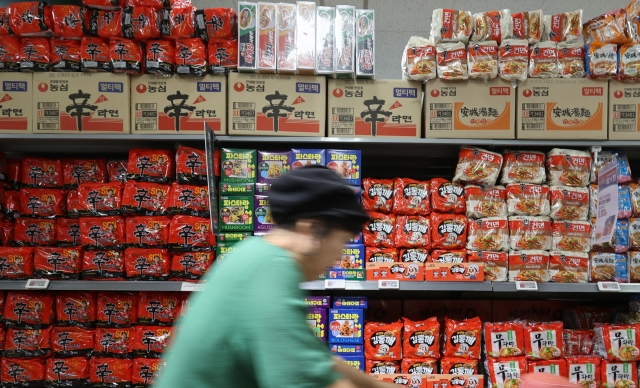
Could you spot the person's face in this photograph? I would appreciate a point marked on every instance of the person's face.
(156, 226)
(203, 229)
(329, 252)
(160, 160)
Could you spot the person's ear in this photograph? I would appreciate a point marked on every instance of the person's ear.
(308, 229)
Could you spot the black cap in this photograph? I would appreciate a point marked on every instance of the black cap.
(316, 192)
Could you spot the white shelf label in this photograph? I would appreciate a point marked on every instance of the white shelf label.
(37, 284)
(188, 286)
(609, 286)
(335, 284)
(526, 286)
(389, 284)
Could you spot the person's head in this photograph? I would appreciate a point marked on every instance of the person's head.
(315, 213)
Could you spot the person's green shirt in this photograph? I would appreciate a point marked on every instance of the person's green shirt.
(248, 328)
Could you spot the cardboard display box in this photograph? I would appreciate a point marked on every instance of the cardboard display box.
(173, 105)
(276, 105)
(472, 109)
(15, 103)
(624, 105)
(81, 103)
(562, 108)
(376, 108)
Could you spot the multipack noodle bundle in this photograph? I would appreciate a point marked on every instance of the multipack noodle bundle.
(419, 59)
(543, 60)
(477, 166)
(492, 26)
(452, 61)
(448, 25)
(563, 27)
(482, 58)
(528, 26)
(514, 60)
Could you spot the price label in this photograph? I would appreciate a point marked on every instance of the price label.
(187, 286)
(526, 286)
(37, 284)
(609, 286)
(388, 284)
(335, 284)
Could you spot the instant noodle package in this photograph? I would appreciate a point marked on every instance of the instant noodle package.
(554, 367)
(488, 234)
(530, 265)
(411, 197)
(514, 60)
(496, 264)
(523, 167)
(568, 267)
(463, 338)
(419, 60)
(492, 26)
(543, 60)
(527, 25)
(449, 25)
(504, 339)
(543, 341)
(505, 372)
(447, 197)
(617, 343)
(563, 27)
(485, 202)
(482, 58)
(570, 60)
(383, 341)
(421, 339)
(568, 168)
(452, 61)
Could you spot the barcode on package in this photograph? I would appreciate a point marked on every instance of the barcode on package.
(47, 105)
(533, 117)
(244, 116)
(342, 121)
(624, 118)
(48, 126)
(146, 126)
(441, 116)
(144, 106)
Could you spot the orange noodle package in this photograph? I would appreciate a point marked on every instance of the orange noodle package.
(462, 338)
(34, 232)
(421, 339)
(94, 55)
(495, 264)
(158, 308)
(568, 168)
(65, 55)
(458, 366)
(191, 57)
(76, 308)
(120, 368)
(420, 366)
(448, 25)
(73, 204)
(482, 203)
(72, 341)
(114, 342)
(30, 309)
(179, 22)
(554, 367)
(568, 267)
(42, 203)
(383, 341)
(373, 367)
(414, 255)
(102, 232)
(141, 23)
(529, 233)
(150, 165)
(634, 233)
(191, 166)
(617, 342)
(222, 54)
(27, 372)
(100, 199)
(569, 203)
(217, 23)
(27, 343)
(145, 371)
(604, 266)
(523, 167)
(483, 60)
(448, 256)
(67, 21)
(514, 60)
(419, 60)
(78, 171)
(492, 26)
(18, 263)
(531, 265)
(618, 374)
(190, 266)
(571, 60)
(31, 18)
(411, 197)
(477, 166)
(9, 53)
(125, 55)
(544, 340)
(488, 234)
(5, 28)
(506, 372)
(448, 231)
(612, 27)
(116, 309)
(528, 199)
(144, 198)
(378, 195)
(104, 24)
(543, 60)
(105, 264)
(629, 62)
(527, 26)
(452, 61)
(188, 200)
(148, 232)
(504, 339)
(35, 54)
(151, 341)
(634, 267)
(380, 230)
(573, 236)
(161, 57)
(447, 197)
(104, 4)
(413, 232)
(190, 234)
(381, 255)
(563, 27)
(57, 263)
(601, 60)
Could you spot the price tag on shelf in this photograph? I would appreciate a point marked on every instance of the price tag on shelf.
(335, 284)
(609, 286)
(188, 286)
(389, 284)
(37, 284)
(526, 286)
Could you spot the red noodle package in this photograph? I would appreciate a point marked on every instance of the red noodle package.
(100, 199)
(377, 195)
(529, 265)
(9, 53)
(584, 371)
(117, 171)
(28, 309)
(67, 232)
(610, 28)
(104, 4)
(379, 231)
(528, 26)
(412, 231)
(569, 267)
(447, 197)
(67, 21)
(5, 28)
(188, 233)
(102, 265)
(448, 231)
(495, 264)
(411, 197)
(617, 342)
(571, 60)
(421, 338)
(618, 374)
(147, 232)
(150, 166)
(147, 264)
(125, 55)
(158, 308)
(448, 25)
(452, 61)
(489, 234)
(22, 342)
(67, 372)
(458, 366)
(102, 232)
(381, 255)
(382, 367)
(483, 60)
(574, 236)
(191, 57)
(94, 54)
(14, 173)
(493, 25)
(179, 22)
(188, 200)
(543, 340)
(523, 167)
(483, 203)
(24, 372)
(114, 342)
(514, 60)
(161, 57)
(31, 18)
(34, 232)
(77, 308)
(12, 203)
(104, 24)
(505, 372)
(145, 198)
(191, 166)
(568, 168)
(563, 27)
(504, 339)
(449, 256)
(212, 23)
(529, 233)
(41, 172)
(141, 23)
(151, 341)
(420, 366)
(526, 199)
(190, 265)
(117, 309)
(42, 203)
(383, 341)
(73, 204)
(578, 342)
(222, 53)
(57, 263)
(145, 371)
(462, 338)
(543, 60)
(35, 54)
(120, 371)
(16, 263)
(65, 55)
(569, 203)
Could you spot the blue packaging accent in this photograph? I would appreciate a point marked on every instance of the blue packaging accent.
(308, 87)
(320, 302)
(358, 192)
(305, 157)
(622, 268)
(346, 326)
(14, 86)
(625, 208)
(615, 55)
(621, 235)
(357, 239)
(356, 362)
(350, 302)
(209, 87)
(405, 92)
(352, 257)
(347, 163)
(347, 349)
(110, 87)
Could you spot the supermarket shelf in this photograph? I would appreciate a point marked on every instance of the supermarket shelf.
(372, 285)
(84, 285)
(549, 288)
